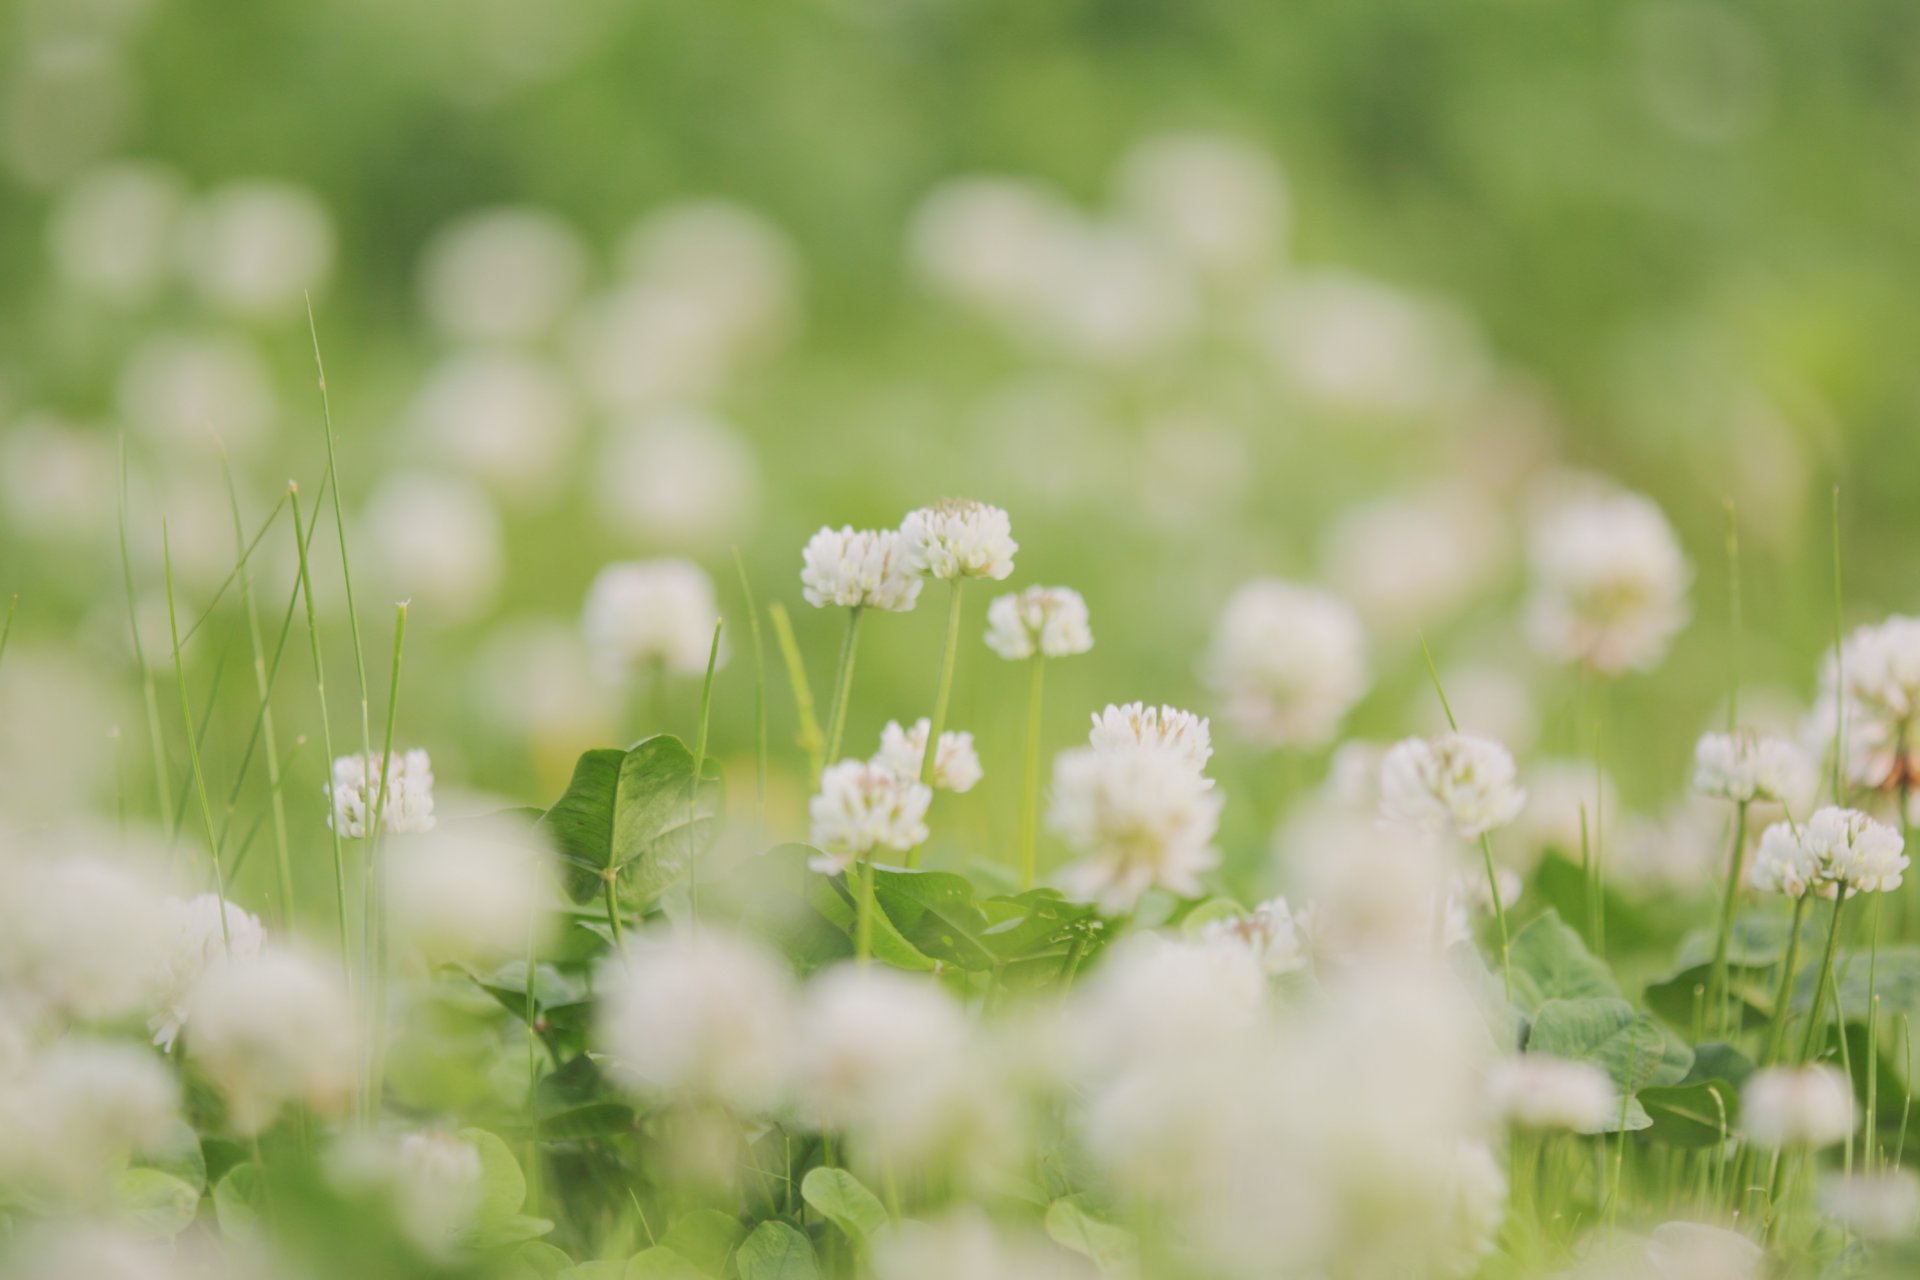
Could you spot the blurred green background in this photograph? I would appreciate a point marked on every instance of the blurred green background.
(1462, 246)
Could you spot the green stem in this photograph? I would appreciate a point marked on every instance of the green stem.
(1030, 781)
(613, 912)
(945, 693)
(811, 740)
(1814, 1026)
(863, 930)
(1499, 913)
(1717, 982)
(340, 528)
(843, 684)
(193, 743)
(326, 720)
(759, 690)
(699, 767)
(373, 908)
(1777, 1036)
(156, 741)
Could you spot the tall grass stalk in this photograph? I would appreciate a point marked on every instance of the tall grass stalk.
(699, 767)
(949, 654)
(340, 528)
(193, 742)
(1717, 980)
(843, 684)
(156, 740)
(373, 942)
(326, 719)
(1030, 776)
(810, 739)
(759, 690)
(1777, 1034)
(1814, 1015)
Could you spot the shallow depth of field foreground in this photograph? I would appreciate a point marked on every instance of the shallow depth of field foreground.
(958, 641)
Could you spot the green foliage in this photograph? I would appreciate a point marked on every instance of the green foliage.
(1112, 1249)
(844, 1200)
(776, 1251)
(503, 1191)
(152, 1202)
(239, 1200)
(634, 817)
(1550, 963)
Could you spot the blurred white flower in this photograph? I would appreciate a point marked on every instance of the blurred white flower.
(81, 935)
(645, 611)
(1808, 1106)
(1288, 663)
(1380, 895)
(112, 230)
(507, 417)
(1117, 298)
(1050, 621)
(1609, 582)
(439, 542)
(1141, 819)
(53, 473)
(643, 345)
(966, 1246)
(1877, 680)
(862, 806)
(1219, 202)
(1563, 797)
(1489, 698)
(995, 244)
(1363, 346)
(1408, 562)
(1882, 1205)
(1277, 935)
(477, 892)
(1208, 1000)
(274, 1031)
(956, 766)
(1833, 848)
(859, 568)
(205, 931)
(1469, 894)
(81, 1251)
(502, 274)
(193, 389)
(436, 1187)
(1696, 1251)
(1538, 1091)
(1137, 726)
(738, 264)
(1748, 766)
(79, 1110)
(680, 477)
(355, 790)
(531, 677)
(959, 538)
(698, 1015)
(1481, 1206)
(1456, 782)
(257, 248)
(1683, 850)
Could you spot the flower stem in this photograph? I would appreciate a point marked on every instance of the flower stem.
(843, 684)
(193, 745)
(1499, 914)
(811, 740)
(613, 914)
(374, 909)
(759, 690)
(1778, 1035)
(1030, 781)
(326, 721)
(1717, 981)
(1814, 1025)
(945, 692)
(863, 928)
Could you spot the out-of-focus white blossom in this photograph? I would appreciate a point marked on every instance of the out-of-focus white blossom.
(82, 935)
(79, 1110)
(737, 266)
(1380, 895)
(1141, 819)
(859, 569)
(1882, 1205)
(1809, 1106)
(504, 274)
(1481, 1208)
(1137, 726)
(678, 477)
(507, 417)
(1831, 849)
(439, 543)
(959, 538)
(431, 1181)
(1538, 1091)
(190, 390)
(275, 1031)
(205, 931)
(1408, 562)
(1277, 935)
(698, 1015)
(1117, 298)
(647, 611)
(995, 244)
(1609, 582)
(74, 1250)
(1469, 894)
(1457, 782)
(113, 228)
(1050, 621)
(1562, 795)
(956, 765)
(474, 893)
(355, 790)
(1362, 346)
(1488, 698)
(52, 473)
(1745, 767)
(862, 806)
(1697, 1251)
(1288, 663)
(1219, 202)
(257, 248)
(966, 1246)
(1683, 850)
(1877, 681)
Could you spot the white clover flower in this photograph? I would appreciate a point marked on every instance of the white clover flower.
(82, 936)
(1410, 561)
(257, 248)
(111, 232)
(965, 1245)
(472, 893)
(180, 389)
(1277, 935)
(642, 612)
(440, 542)
(1610, 583)
(1288, 661)
(1745, 767)
(1468, 894)
(507, 417)
(1480, 1189)
(1537, 1091)
(1697, 1251)
(698, 1015)
(1878, 684)
(79, 1110)
(1883, 1205)
(1050, 621)
(679, 476)
(859, 569)
(1456, 782)
(998, 245)
(956, 766)
(1218, 202)
(1143, 819)
(863, 806)
(1798, 1107)
(960, 538)
(437, 1187)
(1137, 726)
(1833, 848)
(1378, 894)
(355, 790)
(200, 940)
(503, 274)
(279, 1029)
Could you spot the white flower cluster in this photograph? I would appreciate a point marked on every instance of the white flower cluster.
(1746, 767)
(960, 538)
(1049, 621)
(956, 766)
(1877, 683)
(1834, 848)
(1457, 782)
(1143, 818)
(1288, 662)
(1137, 725)
(862, 806)
(859, 569)
(1610, 582)
(650, 611)
(1537, 1091)
(355, 790)
(206, 931)
(272, 1032)
(1278, 936)
(471, 894)
(1808, 1106)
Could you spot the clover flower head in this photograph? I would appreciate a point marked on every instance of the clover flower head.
(278, 1029)
(1610, 582)
(859, 569)
(206, 931)
(1808, 1106)
(1834, 849)
(1877, 682)
(1745, 767)
(862, 806)
(1278, 936)
(1137, 726)
(1049, 621)
(956, 765)
(1455, 782)
(1144, 819)
(1288, 663)
(643, 612)
(960, 538)
(355, 790)
(1538, 1091)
